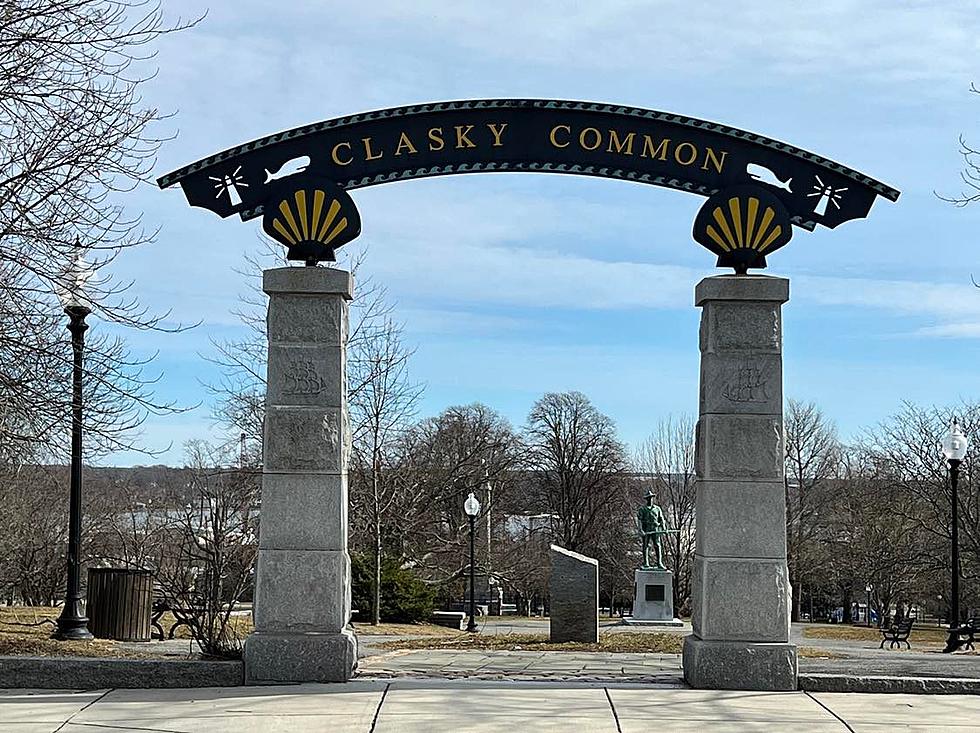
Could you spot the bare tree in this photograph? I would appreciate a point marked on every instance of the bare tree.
(812, 461)
(240, 391)
(577, 463)
(442, 459)
(33, 529)
(666, 458)
(74, 134)
(381, 410)
(970, 174)
(905, 451)
(208, 564)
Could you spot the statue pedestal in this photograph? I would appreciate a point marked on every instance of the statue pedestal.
(653, 599)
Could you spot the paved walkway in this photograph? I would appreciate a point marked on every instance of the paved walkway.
(438, 707)
(660, 668)
(524, 665)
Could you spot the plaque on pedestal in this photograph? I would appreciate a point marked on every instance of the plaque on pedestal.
(653, 599)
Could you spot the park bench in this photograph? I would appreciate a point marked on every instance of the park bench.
(896, 634)
(181, 618)
(970, 630)
(451, 619)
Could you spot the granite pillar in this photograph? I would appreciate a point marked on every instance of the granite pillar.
(303, 574)
(574, 591)
(741, 592)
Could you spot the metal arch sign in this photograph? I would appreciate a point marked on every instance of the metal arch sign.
(291, 170)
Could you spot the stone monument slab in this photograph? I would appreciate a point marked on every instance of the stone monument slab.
(574, 589)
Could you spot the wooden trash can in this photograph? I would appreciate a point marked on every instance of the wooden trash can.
(119, 603)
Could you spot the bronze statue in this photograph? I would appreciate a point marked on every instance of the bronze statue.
(652, 525)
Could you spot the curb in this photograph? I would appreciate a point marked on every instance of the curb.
(882, 684)
(78, 673)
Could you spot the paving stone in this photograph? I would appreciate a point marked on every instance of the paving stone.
(22, 707)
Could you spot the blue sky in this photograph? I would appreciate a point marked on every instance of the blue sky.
(511, 285)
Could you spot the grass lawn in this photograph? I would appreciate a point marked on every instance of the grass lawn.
(622, 643)
(21, 633)
(385, 629)
(928, 635)
(625, 642)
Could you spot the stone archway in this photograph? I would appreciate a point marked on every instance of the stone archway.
(757, 190)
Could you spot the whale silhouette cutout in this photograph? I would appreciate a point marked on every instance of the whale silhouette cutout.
(289, 168)
(764, 175)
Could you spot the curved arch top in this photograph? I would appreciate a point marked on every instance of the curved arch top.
(531, 135)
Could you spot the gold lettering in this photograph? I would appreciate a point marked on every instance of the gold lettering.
(336, 157)
(624, 146)
(660, 151)
(710, 156)
(367, 150)
(497, 133)
(598, 138)
(435, 136)
(677, 154)
(404, 142)
(555, 129)
(461, 137)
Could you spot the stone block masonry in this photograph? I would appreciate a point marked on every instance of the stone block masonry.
(302, 579)
(740, 585)
(574, 589)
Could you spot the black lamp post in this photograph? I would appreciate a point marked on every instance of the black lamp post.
(867, 610)
(72, 623)
(954, 448)
(472, 508)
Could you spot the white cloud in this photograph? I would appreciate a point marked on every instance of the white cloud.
(817, 41)
(951, 331)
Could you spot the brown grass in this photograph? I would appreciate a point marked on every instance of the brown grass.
(923, 635)
(651, 643)
(403, 629)
(22, 634)
(622, 643)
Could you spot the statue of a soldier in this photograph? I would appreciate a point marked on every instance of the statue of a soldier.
(652, 525)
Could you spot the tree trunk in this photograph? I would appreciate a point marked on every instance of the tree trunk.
(375, 490)
(376, 610)
(797, 600)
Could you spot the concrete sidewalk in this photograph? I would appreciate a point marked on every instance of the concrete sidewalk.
(440, 706)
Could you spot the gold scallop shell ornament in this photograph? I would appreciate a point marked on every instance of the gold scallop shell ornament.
(742, 225)
(312, 218)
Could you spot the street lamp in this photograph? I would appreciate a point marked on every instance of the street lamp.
(954, 448)
(472, 508)
(867, 612)
(72, 623)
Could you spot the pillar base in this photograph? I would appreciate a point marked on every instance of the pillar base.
(276, 657)
(739, 665)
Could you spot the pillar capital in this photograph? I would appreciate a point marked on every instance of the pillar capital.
(309, 281)
(742, 287)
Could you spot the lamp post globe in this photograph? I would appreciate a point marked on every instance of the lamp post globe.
(954, 447)
(472, 508)
(72, 623)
